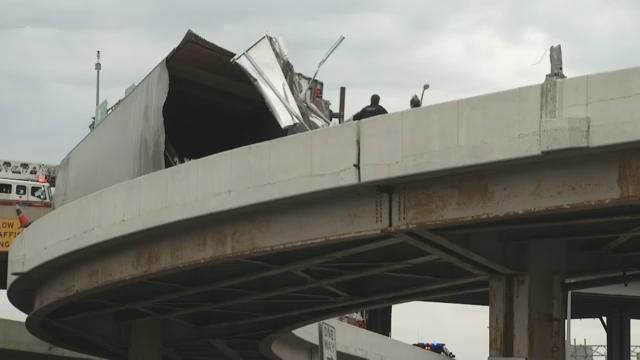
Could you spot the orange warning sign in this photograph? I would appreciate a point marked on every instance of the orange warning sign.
(9, 231)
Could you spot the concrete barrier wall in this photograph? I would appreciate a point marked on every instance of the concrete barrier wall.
(582, 112)
(589, 111)
(473, 131)
(610, 100)
(301, 164)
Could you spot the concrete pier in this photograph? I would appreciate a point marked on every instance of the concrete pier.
(618, 335)
(146, 340)
(526, 309)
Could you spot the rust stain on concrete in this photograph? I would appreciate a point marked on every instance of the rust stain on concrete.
(147, 258)
(217, 242)
(176, 251)
(247, 236)
(94, 276)
(432, 203)
(427, 204)
(629, 175)
(473, 191)
(496, 335)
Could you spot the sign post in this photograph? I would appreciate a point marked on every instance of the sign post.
(327, 341)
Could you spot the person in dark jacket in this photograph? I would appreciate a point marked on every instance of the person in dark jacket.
(415, 102)
(372, 109)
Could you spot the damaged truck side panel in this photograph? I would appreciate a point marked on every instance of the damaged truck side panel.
(195, 103)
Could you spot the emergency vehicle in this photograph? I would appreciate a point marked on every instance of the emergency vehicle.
(28, 186)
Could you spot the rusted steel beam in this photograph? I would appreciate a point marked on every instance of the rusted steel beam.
(559, 185)
(464, 252)
(285, 290)
(292, 294)
(590, 236)
(479, 228)
(604, 280)
(397, 274)
(416, 292)
(621, 239)
(246, 278)
(416, 242)
(301, 274)
(431, 292)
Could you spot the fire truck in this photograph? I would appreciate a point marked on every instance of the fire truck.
(27, 185)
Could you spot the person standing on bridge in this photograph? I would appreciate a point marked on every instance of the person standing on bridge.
(377, 320)
(415, 102)
(370, 110)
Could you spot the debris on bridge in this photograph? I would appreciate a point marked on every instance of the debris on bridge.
(200, 100)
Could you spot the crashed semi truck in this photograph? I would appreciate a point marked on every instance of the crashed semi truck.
(199, 100)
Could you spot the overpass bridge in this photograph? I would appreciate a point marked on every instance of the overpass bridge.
(508, 199)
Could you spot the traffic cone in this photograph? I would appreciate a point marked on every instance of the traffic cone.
(24, 220)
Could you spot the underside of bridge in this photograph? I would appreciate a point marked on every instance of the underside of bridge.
(509, 199)
(494, 236)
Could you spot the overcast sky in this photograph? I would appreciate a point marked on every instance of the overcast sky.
(461, 48)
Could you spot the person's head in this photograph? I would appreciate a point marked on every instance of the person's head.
(375, 99)
(414, 102)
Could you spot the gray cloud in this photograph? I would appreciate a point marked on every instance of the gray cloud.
(463, 48)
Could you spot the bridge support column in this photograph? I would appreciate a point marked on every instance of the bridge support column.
(146, 340)
(379, 320)
(618, 335)
(527, 313)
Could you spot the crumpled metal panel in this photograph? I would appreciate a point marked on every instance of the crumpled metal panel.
(262, 65)
(135, 137)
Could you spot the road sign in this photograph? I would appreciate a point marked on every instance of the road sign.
(327, 337)
(9, 231)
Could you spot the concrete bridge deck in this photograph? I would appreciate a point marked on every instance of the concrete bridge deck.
(526, 192)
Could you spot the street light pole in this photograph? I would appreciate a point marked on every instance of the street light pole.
(424, 88)
(98, 68)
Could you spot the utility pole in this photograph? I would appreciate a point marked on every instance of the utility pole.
(98, 68)
(95, 114)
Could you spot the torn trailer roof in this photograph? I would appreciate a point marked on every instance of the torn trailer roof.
(200, 100)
